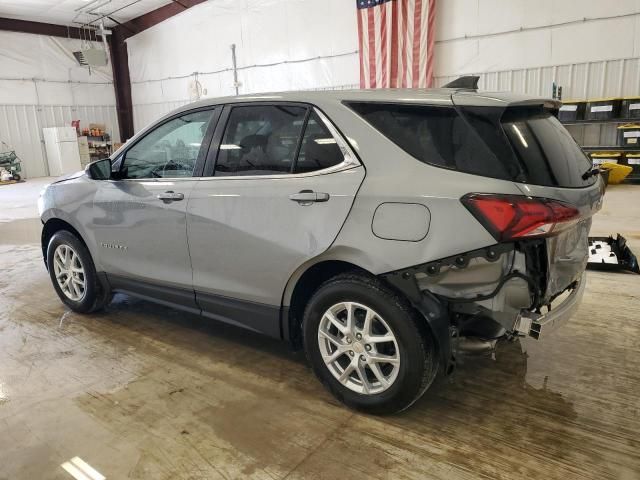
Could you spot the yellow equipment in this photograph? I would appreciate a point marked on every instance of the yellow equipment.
(610, 161)
(617, 173)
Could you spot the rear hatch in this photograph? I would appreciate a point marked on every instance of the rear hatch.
(525, 143)
(516, 139)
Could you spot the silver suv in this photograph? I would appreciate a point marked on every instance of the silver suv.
(371, 228)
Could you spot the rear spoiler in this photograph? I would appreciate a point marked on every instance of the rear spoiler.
(467, 82)
(502, 99)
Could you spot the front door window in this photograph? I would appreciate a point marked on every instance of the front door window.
(168, 151)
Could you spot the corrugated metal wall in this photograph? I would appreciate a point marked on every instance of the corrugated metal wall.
(145, 113)
(21, 128)
(579, 81)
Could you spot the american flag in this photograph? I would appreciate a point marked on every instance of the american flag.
(396, 43)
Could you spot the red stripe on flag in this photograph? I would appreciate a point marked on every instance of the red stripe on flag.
(417, 51)
(383, 45)
(431, 36)
(403, 29)
(395, 58)
(361, 43)
(396, 40)
(372, 48)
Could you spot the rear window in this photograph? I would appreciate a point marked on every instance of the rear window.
(525, 145)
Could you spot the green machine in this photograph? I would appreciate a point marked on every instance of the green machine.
(9, 160)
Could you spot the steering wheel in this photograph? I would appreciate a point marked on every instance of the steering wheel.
(165, 167)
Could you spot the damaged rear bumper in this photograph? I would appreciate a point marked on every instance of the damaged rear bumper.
(493, 291)
(538, 325)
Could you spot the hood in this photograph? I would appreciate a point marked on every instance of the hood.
(69, 176)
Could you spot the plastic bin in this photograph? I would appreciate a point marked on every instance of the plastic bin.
(629, 135)
(633, 160)
(571, 111)
(598, 158)
(617, 172)
(630, 107)
(604, 109)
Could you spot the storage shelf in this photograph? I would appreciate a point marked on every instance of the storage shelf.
(612, 148)
(611, 120)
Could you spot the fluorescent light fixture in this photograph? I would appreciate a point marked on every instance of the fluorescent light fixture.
(81, 470)
(325, 141)
(229, 146)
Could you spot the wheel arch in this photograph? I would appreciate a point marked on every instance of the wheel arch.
(50, 228)
(306, 280)
(301, 286)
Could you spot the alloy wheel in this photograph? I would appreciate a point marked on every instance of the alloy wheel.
(69, 272)
(359, 348)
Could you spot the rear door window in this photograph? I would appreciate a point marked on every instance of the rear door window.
(260, 140)
(319, 148)
(523, 145)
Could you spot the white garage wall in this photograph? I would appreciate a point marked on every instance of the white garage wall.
(280, 45)
(590, 47)
(41, 85)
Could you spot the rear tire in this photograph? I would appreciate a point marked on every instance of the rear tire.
(74, 275)
(386, 342)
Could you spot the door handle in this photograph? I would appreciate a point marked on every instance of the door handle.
(170, 196)
(307, 197)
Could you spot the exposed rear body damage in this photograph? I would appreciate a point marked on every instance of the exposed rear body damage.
(534, 276)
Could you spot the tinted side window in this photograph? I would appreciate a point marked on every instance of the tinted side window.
(260, 140)
(522, 144)
(435, 135)
(319, 148)
(546, 149)
(169, 150)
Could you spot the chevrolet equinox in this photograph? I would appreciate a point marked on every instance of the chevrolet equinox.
(371, 228)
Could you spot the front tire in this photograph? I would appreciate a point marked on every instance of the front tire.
(367, 345)
(74, 275)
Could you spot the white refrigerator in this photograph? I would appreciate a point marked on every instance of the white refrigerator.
(61, 145)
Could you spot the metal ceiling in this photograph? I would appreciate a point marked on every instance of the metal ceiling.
(78, 12)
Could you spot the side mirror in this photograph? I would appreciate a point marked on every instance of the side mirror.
(100, 169)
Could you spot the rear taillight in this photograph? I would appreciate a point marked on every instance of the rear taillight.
(510, 217)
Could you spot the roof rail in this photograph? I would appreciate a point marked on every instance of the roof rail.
(469, 82)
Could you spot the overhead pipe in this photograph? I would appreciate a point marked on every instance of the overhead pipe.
(235, 68)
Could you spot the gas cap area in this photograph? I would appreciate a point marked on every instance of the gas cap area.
(401, 221)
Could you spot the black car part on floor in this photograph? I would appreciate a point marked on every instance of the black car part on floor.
(608, 253)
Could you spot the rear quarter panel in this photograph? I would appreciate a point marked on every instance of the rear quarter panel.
(395, 176)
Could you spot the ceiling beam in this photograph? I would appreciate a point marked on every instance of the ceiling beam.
(38, 28)
(117, 46)
(161, 14)
(120, 60)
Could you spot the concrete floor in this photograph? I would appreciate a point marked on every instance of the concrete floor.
(18, 200)
(142, 391)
